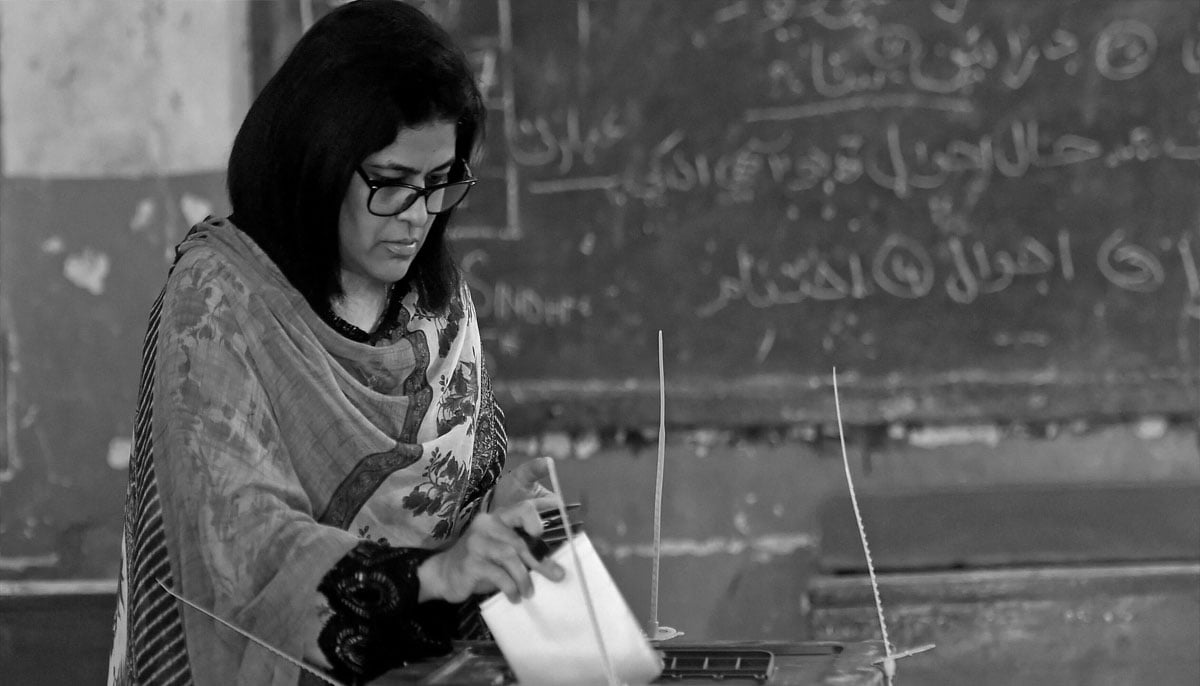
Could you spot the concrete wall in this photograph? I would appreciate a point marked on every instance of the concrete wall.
(121, 89)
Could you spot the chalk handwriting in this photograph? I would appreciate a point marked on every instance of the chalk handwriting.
(984, 273)
(1129, 266)
(829, 14)
(1124, 49)
(1190, 271)
(949, 11)
(900, 267)
(1191, 52)
(485, 64)
(899, 164)
(903, 268)
(888, 65)
(502, 302)
(545, 140)
(971, 269)
(889, 56)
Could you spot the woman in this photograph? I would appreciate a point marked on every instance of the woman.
(317, 451)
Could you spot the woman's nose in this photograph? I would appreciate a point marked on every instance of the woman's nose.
(416, 213)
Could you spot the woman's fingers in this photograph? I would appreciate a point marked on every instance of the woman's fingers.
(499, 577)
(528, 513)
(521, 483)
(492, 556)
(524, 515)
(547, 502)
(546, 567)
(502, 555)
(529, 473)
(514, 566)
(549, 569)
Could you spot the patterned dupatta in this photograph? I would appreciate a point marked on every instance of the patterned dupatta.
(267, 446)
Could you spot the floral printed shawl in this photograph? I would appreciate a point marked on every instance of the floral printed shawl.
(267, 445)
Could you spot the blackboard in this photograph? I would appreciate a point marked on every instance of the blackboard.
(973, 209)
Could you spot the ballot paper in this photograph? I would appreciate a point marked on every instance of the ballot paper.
(548, 638)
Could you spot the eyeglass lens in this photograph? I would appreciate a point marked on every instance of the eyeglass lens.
(395, 199)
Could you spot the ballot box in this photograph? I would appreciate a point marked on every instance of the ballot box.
(772, 663)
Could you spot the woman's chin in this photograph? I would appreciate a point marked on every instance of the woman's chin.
(392, 272)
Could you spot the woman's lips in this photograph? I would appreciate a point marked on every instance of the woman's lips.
(402, 248)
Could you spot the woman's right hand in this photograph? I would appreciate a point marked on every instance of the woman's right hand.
(489, 556)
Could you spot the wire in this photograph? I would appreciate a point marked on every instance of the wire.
(276, 651)
(658, 488)
(889, 662)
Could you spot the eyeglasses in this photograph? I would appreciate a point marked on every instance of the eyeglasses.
(390, 197)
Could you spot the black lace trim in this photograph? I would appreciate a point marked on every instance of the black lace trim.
(376, 622)
(388, 323)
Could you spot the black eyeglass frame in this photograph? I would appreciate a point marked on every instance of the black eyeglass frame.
(419, 192)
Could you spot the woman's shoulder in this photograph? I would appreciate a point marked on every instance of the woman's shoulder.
(208, 284)
(205, 270)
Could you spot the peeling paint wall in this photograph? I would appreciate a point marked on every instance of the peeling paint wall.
(121, 88)
(116, 118)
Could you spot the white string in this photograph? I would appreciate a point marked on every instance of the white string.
(299, 663)
(658, 488)
(609, 671)
(906, 653)
(889, 661)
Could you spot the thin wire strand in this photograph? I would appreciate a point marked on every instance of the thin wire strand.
(609, 671)
(658, 488)
(862, 532)
(288, 658)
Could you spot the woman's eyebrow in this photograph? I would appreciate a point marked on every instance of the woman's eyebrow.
(405, 169)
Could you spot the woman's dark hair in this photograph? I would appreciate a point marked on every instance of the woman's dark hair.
(359, 74)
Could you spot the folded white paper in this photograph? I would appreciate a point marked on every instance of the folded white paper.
(548, 638)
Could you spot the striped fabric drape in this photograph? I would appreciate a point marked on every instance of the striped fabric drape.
(147, 625)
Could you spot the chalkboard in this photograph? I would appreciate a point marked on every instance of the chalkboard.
(972, 209)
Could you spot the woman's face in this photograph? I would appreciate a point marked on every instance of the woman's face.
(379, 250)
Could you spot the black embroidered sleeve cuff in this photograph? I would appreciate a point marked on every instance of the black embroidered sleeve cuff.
(376, 622)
